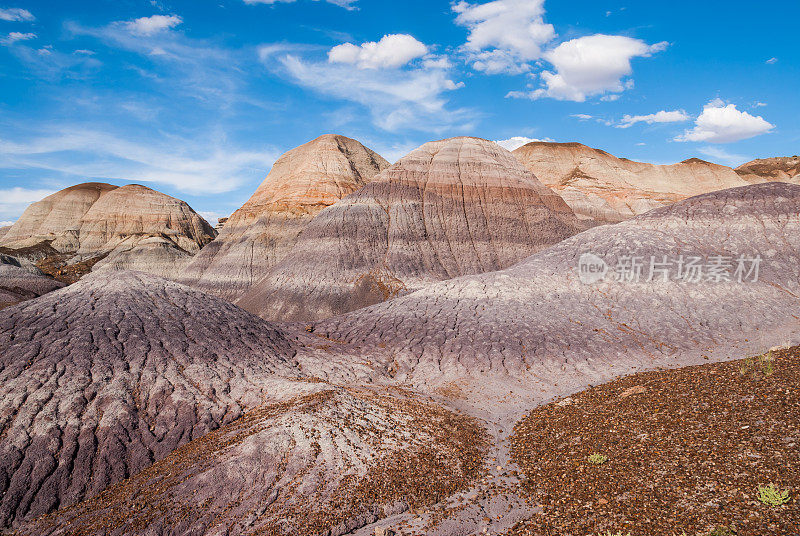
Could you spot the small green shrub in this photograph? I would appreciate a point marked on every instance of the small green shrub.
(597, 459)
(721, 531)
(772, 496)
(765, 363)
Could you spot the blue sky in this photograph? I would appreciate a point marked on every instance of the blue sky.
(198, 98)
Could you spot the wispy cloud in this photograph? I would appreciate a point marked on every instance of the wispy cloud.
(410, 98)
(724, 157)
(147, 26)
(13, 201)
(16, 14)
(195, 166)
(674, 116)
(13, 37)
(347, 4)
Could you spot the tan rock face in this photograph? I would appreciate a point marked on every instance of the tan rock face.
(450, 208)
(782, 169)
(602, 187)
(262, 232)
(93, 220)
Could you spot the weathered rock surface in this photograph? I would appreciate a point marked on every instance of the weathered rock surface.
(324, 463)
(4, 230)
(93, 220)
(263, 231)
(103, 378)
(20, 280)
(536, 324)
(783, 169)
(604, 188)
(449, 208)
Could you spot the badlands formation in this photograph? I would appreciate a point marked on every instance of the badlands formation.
(263, 231)
(101, 226)
(782, 169)
(130, 404)
(607, 189)
(20, 280)
(450, 208)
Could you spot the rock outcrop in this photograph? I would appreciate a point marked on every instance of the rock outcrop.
(607, 189)
(4, 230)
(102, 378)
(263, 231)
(449, 208)
(20, 280)
(538, 324)
(87, 222)
(783, 169)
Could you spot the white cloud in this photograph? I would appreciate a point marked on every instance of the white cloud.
(397, 98)
(721, 123)
(13, 201)
(772, 61)
(347, 4)
(13, 37)
(582, 117)
(515, 142)
(147, 26)
(392, 51)
(200, 166)
(724, 157)
(213, 217)
(590, 66)
(7, 223)
(504, 35)
(15, 14)
(674, 116)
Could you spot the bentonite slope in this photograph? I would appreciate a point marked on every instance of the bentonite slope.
(320, 464)
(88, 222)
(601, 187)
(539, 324)
(451, 207)
(21, 280)
(783, 169)
(102, 378)
(263, 231)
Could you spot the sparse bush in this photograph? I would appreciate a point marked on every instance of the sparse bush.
(721, 531)
(764, 363)
(772, 496)
(597, 459)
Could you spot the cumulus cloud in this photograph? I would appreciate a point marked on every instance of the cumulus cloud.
(721, 123)
(147, 26)
(674, 116)
(397, 98)
(347, 4)
(590, 66)
(515, 142)
(391, 51)
(15, 14)
(13, 201)
(504, 35)
(13, 37)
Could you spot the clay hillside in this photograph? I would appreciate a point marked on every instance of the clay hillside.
(102, 378)
(263, 231)
(785, 169)
(21, 280)
(450, 208)
(601, 187)
(493, 330)
(95, 226)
